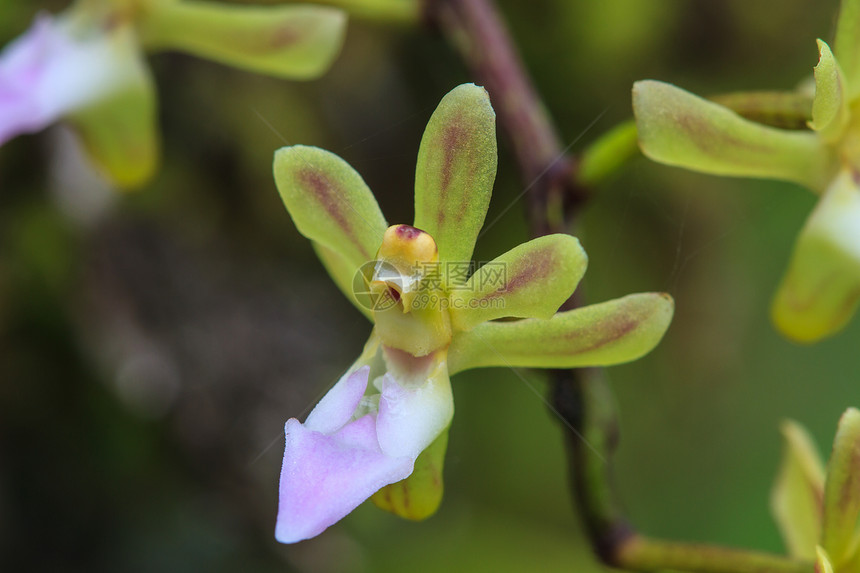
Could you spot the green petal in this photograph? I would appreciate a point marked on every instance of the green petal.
(531, 280)
(331, 205)
(119, 131)
(842, 489)
(821, 289)
(602, 334)
(343, 274)
(796, 497)
(847, 44)
(679, 128)
(418, 496)
(455, 172)
(829, 108)
(298, 42)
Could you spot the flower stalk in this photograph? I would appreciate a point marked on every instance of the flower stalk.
(584, 401)
(644, 554)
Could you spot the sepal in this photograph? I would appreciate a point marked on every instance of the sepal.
(602, 334)
(330, 203)
(456, 170)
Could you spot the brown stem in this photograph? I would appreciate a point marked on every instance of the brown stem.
(582, 399)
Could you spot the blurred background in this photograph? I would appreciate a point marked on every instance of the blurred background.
(153, 344)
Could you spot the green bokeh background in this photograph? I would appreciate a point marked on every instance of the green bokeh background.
(151, 352)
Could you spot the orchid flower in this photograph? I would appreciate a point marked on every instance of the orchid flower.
(86, 66)
(817, 509)
(381, 431)
(821, 289)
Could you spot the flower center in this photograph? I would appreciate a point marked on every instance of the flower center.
(411, 312)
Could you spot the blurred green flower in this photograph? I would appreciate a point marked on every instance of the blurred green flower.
(816, 509)
(382, 430)
(86, 66)
(821, 290)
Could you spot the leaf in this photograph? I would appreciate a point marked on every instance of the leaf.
(829, 108)
(847, 44)
(418, 496)
(331, 205)
(842, 490)
(456, 170)
(821, 288)
(678, 128)
(797, 494)
(602, 334)
(530, 280)
(296, 42)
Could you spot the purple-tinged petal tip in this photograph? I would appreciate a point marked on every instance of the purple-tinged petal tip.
(323, 478)
(357, 441)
